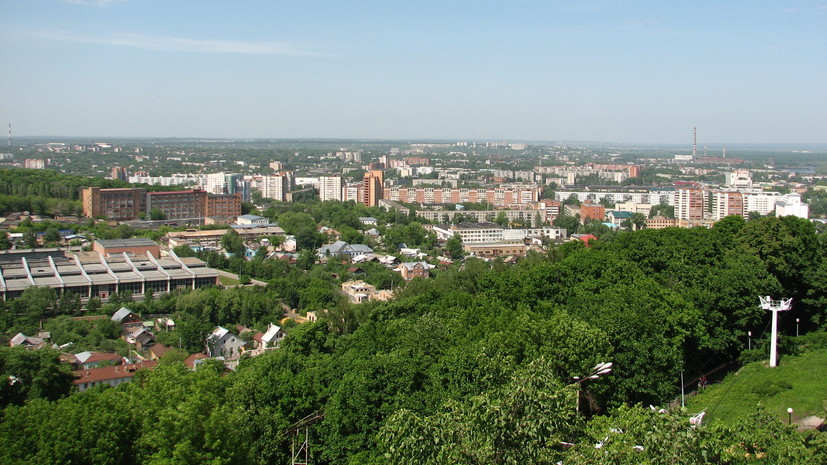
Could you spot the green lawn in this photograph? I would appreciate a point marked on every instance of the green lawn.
(798, 382)
(227, 281)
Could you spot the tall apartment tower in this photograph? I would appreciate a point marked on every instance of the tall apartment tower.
(373, 183)
(120, 173)
(726, 203)
(330, 188)
(690, 204)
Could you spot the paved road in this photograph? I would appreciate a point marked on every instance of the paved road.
(235, 276)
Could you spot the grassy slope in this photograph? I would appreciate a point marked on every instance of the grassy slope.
(798, 382)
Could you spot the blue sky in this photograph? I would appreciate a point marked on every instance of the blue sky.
(615, 71)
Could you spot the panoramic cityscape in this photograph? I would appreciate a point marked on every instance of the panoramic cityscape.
(448, 233)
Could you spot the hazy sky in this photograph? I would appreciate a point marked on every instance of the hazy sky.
(620, 71)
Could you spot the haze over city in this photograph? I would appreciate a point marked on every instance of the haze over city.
(627, 72)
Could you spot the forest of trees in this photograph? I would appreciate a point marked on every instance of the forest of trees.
(474, 366)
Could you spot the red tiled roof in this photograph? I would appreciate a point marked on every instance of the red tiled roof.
(102, 357)
(190, 361)
(108, 373)
(159, 350)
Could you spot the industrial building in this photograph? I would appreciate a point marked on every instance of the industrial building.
(92, 274)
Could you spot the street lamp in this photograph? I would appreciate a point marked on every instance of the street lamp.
(749, 340)
(599, 370)
(789, 415)
(796, 326)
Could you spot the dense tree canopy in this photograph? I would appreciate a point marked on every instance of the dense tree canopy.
(474, 366)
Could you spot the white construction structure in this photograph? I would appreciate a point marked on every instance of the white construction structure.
(774, 306)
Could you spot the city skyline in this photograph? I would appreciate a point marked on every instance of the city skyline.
(742, 72)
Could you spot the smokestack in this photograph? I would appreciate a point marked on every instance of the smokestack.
(724, 155)
(694, 142)
(9, 135)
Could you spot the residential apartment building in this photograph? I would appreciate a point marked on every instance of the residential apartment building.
(652, 196)
(276, 186)
(330, 188)
(503, 196)
(690, 204)
(372, 188)
(590, 211)
(523, 216)
(726, 203)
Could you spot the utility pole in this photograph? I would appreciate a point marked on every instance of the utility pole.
(774, 306)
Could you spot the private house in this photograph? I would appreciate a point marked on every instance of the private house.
(343, 248)
(270, 339)
(88, 359)
(222, 343)
(194, 360)
(411, 270)
(157, 351)
(112, 375)
(28, 342)
(141, 338)
(128, 320)
(358, 291)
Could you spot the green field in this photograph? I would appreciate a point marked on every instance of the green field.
(798, 382)
(227, 281)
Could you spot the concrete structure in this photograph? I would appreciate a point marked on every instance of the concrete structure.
(114, 204)
(129, 203)
(90, 274)
(178, 204)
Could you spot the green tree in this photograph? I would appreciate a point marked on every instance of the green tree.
(233, 243)
(454, 247)
(157, 214)
(32, 374)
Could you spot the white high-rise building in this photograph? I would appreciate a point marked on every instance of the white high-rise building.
(277, 186)
(791, 205)
(763, 202)
(330, 188)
